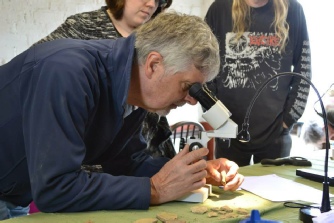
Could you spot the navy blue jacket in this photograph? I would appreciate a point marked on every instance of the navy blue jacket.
(61, 107)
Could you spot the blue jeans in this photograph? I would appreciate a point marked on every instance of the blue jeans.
(9, 210)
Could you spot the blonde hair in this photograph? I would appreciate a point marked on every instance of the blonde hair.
(242, 19)
(182, 40)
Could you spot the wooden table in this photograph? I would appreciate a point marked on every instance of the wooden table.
(239, 199)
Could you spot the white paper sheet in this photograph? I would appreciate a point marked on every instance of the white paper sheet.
(326, 217)
(278, 189)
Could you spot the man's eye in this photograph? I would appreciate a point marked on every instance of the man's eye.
(187, 87)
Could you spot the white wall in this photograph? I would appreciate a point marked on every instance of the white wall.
(25, 22)
(319, 17)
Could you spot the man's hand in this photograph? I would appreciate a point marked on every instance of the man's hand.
(233, 178)
(182, 174)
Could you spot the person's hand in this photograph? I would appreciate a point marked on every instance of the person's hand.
(233, 178)
(182, 174)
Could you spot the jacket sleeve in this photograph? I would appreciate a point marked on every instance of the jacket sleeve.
(56, 110)
(133, 157)
(299, 90)
(142, 164)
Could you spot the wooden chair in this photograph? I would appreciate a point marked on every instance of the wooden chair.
(184, 129)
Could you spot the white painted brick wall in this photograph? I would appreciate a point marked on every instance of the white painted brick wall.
(25, 22)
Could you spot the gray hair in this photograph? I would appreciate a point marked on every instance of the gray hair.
(312, 132)
(182, 40)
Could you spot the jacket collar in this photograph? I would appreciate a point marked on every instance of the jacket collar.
(120, 60)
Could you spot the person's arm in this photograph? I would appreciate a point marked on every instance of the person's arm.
(133, 157)
(210, 19)
(184, 173)
(212, 15)
(299, 92)
(218, 18)
(170, 179)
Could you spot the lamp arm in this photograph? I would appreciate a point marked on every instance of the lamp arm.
(325, 204)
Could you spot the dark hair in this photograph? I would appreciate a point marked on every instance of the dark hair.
(116, 7)
(312, 132)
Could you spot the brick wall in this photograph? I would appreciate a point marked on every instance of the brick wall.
(25, 22)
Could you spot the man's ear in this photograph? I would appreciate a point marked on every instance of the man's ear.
(153, 64)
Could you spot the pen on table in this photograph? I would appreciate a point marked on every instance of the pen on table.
(223, 174)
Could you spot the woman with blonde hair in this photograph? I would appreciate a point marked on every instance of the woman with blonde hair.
(258, 40)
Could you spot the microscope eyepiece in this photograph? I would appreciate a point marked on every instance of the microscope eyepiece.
(203, 95)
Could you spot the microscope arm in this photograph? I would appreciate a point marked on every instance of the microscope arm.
(218, 117)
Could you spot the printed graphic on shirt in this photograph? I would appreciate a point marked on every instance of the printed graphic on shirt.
(251, 60)
(255, 58)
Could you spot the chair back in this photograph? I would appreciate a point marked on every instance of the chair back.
(181, 131)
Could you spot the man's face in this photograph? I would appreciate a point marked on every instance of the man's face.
(172, 91)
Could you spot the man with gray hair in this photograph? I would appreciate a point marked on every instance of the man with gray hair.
(64, 102)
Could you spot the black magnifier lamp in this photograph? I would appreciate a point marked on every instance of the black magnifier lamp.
(306, 213)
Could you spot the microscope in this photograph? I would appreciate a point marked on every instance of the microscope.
(216, 114)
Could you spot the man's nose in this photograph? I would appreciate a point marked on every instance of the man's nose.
(190, 100)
